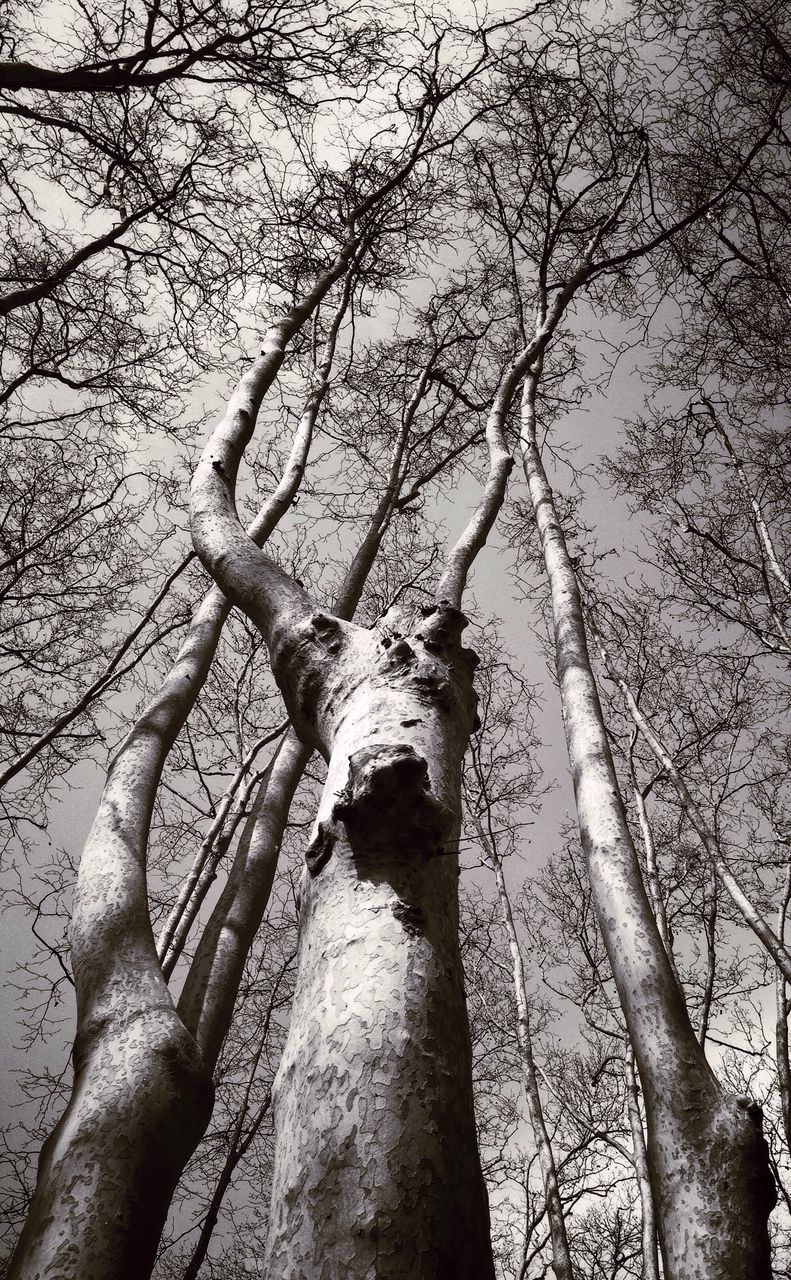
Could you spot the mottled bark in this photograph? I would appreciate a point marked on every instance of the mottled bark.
(141, 1097)
(100, 1203)
(376, 1168)
(376, 1161)
(713, 1190)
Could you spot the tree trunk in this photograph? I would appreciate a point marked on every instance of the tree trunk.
(141, 1096)
(751, 916)
(376, 1166)
(713, 1189)
(376, 1162)
(561, 1254)
(648, 1225)
(207, 999)
(101, 1199)
(781, 1020)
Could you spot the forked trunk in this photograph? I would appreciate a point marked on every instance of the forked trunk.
(142, 1093)
(376, 1162)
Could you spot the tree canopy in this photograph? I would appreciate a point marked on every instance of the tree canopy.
(330, 333)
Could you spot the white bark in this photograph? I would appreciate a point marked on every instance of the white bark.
(376, 1161)
(376, 1164)
(640, 1161)
(751, 916)
(709, 1169)
(97, 1215)
(207, 1000)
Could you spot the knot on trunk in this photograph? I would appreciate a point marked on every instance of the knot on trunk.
(318, 852)
(387, 804)
(410, 917)
(399, 651)
(442, 625)
(325, 631)
(427, 652)
(301, 657)
(760, 1186)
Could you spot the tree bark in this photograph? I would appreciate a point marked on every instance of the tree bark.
(376, 1162)
(648, 1223)
(781, 1020)
(141, 1097)
(376, 1167)
(713, 1189)
(100, 1202)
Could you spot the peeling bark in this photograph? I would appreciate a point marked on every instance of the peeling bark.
(376, 1168)
(139, 1106)
(781, 1020)
(379, 1031)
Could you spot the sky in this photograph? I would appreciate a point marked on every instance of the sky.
(592, 431)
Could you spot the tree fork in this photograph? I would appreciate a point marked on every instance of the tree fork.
(400, 1029)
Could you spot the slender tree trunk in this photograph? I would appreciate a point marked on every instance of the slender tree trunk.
(237, 1153)
(710, 912)
(233, 803)
(561, 1254)
(207, 999)
(240, 1140)
(653, 884)
(765, 540)
(209, 992)
(101, 1199)
(713, 1190)
(648, 1224)
(781, 1023)
(749, 913)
